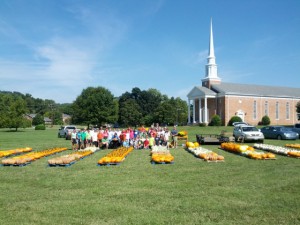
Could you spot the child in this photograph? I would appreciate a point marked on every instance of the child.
(146, 143)
(151, 141)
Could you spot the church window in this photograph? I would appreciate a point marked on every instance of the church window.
(287, 109)
(255, 110)
(277, 111)
(266, 108)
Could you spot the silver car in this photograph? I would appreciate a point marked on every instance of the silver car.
(245, 133)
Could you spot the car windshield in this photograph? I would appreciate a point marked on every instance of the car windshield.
(247, 129)
(285, 129)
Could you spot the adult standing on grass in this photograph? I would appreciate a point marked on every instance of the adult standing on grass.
(174, 134)
(88, 138)
(95, 137)
(78, 139)
(83, 139)
(151, 141)
(100, 136)
(74, 139)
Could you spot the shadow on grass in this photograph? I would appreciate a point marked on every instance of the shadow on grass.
(11, 130)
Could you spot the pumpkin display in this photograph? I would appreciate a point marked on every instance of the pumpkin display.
(287, 151)
(161, 154)
(6, 153)
(182, 133)
(31, 156)
(116, 156)
(206, 154)
(292, 145)
(246, 150)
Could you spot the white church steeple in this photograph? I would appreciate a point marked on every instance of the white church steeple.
(211, 75)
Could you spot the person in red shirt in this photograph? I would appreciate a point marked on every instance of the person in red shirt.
(146, 143)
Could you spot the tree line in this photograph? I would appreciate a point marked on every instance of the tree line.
(95, 106)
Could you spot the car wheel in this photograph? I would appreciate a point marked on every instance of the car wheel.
(279, 137)
(58, 135)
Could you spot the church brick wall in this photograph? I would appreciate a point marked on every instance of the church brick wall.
(241, 105)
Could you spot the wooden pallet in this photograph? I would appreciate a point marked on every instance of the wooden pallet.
(16, 165)
(155, 163)
(62, 165)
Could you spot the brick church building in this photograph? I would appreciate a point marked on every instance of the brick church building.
(248, 101)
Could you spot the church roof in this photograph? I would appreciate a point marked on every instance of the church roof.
(200, 91)
(255, 90)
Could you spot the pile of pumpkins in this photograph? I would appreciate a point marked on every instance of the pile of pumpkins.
(246, 150)
(287, 151)
(182, 133)
(29, 157)
(161, 154)
(293, 145)
(204, 153)
(16, 151)
(116, 156)
(70, 158)
(192, 145)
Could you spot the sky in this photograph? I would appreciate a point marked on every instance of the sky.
(53, 49)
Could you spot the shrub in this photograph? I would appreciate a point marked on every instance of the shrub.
(265, 120)
(215, 121)
(234, 119)
(202, 124)
(40, 127)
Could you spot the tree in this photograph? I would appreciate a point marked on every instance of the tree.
(171, 111)
(38, 119)
(12, 111)
(130, 113)
(149, 105)
(94, 106)
(298, 110)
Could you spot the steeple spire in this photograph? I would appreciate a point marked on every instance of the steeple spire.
(211, 52)
(211, 75)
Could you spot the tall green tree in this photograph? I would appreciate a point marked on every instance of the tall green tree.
(38, 119)
(12, 111)
(147, 101)
(95, 105)
(130, 113)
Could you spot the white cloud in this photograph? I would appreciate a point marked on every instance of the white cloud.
(66, 64)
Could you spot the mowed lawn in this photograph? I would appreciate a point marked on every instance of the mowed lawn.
(190, 191)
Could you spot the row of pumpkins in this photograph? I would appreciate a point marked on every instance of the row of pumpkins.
(31, 156)
(116, 156)
(289, 150)
(205, 154)
(16, 151)
(161, 154)
(246, 150)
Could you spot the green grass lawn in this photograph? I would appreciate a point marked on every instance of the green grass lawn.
(190, 191)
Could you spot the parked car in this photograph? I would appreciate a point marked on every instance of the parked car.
(239, 123)
(245, 133)
(65, 131)
(279, 132)
(296, 128)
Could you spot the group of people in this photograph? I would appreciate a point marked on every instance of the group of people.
(139, 138)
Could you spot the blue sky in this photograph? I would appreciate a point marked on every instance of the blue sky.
(53, 49)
